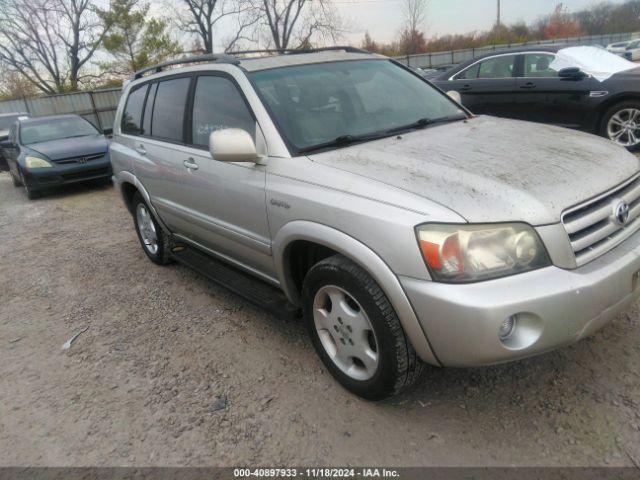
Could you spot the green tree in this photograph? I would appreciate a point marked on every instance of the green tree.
(135, 41)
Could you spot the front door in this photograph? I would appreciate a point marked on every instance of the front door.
(224, 201)
(545, 97)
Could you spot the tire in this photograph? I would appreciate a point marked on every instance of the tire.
(16, 181)
(158, 251)
(396, 366)
(31, 193)
(623, 113)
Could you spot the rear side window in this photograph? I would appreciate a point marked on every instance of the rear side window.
(498, 67)
(470, 73)
(132, 115)
(169, 108)
(217, 105)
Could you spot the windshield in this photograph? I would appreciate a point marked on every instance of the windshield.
(598, 63)
(55, 129)
(6, 122)
(313, 105)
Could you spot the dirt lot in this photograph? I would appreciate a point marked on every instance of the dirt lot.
(140, 386)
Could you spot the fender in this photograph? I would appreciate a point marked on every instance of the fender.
(128, 177)
(365, 258)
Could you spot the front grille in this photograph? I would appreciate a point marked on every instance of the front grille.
(85, 159)
(96, 172)
(592, 227)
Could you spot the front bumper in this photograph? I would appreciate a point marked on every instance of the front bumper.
(554, 307)
(57, 175)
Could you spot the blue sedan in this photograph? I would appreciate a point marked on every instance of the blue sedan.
(56, 150)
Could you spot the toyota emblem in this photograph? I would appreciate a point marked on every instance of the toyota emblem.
(621, 213)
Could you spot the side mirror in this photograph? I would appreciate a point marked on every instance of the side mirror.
(455, 96)
(107, 131)
(232, 145)
(572, 73)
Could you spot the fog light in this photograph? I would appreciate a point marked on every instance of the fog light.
(508, 327)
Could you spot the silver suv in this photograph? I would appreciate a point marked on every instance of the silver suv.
(343, 185)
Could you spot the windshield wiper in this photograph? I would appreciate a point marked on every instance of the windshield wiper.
(426, 122)
(341, 141)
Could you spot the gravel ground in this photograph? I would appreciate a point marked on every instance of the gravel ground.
(165, 349)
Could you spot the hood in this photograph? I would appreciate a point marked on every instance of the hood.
(71, 147)
(492, 170)
(633, 74)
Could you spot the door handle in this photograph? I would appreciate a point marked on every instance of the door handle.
(140, 149)
(465, 88)
(191, 164)
(528, 86)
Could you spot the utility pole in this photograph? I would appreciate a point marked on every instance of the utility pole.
(498, 22)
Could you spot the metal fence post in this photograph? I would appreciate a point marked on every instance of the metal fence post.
(25, 100)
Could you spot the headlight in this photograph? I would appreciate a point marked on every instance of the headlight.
(36, 162)
(469, 253)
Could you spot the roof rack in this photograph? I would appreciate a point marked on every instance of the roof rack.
(291, 51)
(230, 57)
(211, 57)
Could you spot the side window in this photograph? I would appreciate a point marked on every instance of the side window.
(537, 65)
(148, 109)
(132, 115)
(169, 107)
(497, 67)
(470, 73)
(218, 104)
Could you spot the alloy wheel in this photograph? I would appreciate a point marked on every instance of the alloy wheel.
(624, 127)
(147, 229)
(345, 332)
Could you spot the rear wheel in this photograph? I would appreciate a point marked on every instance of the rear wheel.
(356, 331)
(621, 124)
(153, 239)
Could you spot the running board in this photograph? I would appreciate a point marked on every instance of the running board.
(250, 288)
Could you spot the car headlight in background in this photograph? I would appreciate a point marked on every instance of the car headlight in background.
(459, 253)
(36, 162)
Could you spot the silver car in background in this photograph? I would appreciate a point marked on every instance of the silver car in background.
(404, 228)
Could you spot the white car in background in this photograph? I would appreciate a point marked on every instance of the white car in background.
(618, 48)
(632, 52)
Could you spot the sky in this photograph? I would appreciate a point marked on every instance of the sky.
(383, 18)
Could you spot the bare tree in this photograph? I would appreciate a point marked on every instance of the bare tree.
(49, 41)
(202, 19)
(299, 21)
(412, 38)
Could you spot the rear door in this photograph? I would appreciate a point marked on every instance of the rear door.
(545, 97)
(488, 86)
(159, 149)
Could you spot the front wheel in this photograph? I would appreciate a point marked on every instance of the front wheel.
(152, 238)
(621, 124)
(31, 193)
(356, 331)
(15, 180)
